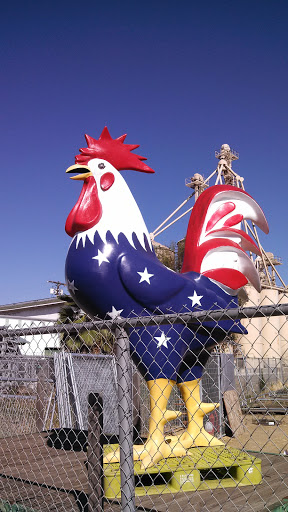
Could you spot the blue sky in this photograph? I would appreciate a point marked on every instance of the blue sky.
(180, 79)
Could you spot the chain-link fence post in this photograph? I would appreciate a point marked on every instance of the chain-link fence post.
(124, 377)
(95, 453)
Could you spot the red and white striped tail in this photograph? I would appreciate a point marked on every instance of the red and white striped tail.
(215, 241)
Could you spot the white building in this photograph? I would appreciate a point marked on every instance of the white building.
(34, 313)
(267, 336)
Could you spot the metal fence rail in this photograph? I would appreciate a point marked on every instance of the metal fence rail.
(44, 420)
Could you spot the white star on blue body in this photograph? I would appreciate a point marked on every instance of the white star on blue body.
(100, 257)
(162, 340)
(196, 299)
(71, 286)
(145, 276)
(115, 313)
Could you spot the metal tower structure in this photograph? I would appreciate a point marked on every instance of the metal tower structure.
(224, 175)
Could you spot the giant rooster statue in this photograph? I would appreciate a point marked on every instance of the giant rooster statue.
(112, 270)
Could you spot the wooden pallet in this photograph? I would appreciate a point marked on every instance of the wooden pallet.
(201, 469)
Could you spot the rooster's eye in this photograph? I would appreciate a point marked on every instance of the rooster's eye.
(101, 166)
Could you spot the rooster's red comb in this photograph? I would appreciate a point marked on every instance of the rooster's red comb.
(114, 151)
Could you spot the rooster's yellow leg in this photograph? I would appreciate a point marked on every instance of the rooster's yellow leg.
(155, 448)
(195, 435)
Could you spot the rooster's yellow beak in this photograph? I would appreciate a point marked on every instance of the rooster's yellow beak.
(83, 169)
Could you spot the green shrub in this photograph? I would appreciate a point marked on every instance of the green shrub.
(5, 506)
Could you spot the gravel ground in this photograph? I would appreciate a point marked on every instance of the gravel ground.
(262, 438)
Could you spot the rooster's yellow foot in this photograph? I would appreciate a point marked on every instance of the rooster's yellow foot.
(195, 435)
(155, 448)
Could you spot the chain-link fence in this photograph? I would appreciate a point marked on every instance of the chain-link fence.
(177, 427)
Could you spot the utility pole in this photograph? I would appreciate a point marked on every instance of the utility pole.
(56, 290)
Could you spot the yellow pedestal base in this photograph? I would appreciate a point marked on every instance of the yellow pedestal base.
(203, 468)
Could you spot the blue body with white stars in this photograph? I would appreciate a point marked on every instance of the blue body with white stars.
(112, 270)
